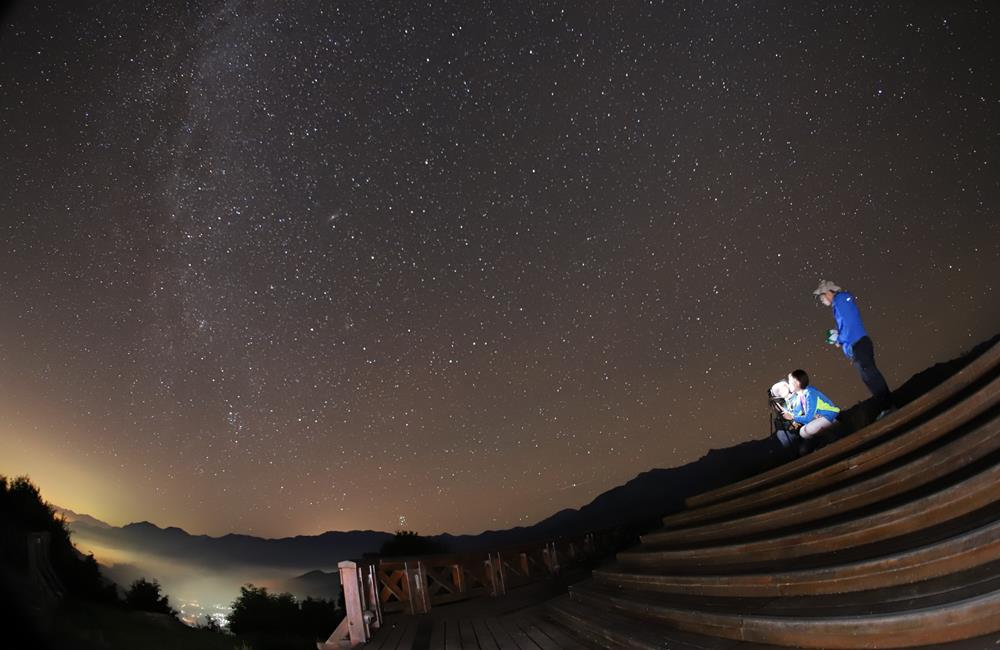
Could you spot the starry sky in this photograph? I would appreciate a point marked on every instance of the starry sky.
(286, 267)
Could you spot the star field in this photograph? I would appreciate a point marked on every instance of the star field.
(290, 267)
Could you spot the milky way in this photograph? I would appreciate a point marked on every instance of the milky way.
(289, 267)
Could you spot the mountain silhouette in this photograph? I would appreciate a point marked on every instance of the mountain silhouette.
(301, 551)
(72, 517)
(636, 505)
(323, 585)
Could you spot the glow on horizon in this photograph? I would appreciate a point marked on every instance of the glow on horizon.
(62, 480)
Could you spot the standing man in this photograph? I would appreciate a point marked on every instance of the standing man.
(851, 337)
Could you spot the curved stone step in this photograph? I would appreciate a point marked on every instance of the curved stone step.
(943, 622)
(962, 552)
(938, 590)
(966, 496)
(955, 455)
(607, 628)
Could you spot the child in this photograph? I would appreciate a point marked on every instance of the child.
(813, 410)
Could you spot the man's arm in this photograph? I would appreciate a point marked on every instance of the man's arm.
(838, 317)
(848, 317)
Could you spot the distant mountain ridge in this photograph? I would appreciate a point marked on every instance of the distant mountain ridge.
(323, 585)
(323, 550)
(72, 517)
(639, 502)
(651, 493)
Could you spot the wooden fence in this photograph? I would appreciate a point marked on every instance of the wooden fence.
(413, 585)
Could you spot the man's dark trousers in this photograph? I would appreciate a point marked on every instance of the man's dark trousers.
(864, 361)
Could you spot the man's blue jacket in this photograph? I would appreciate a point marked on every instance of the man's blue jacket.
(849, 326)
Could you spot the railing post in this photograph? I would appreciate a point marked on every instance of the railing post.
(525, 565)
(494, 566)
(551, 558)
(458, 578)
(372, 589)
(353, 630)
(416, 582)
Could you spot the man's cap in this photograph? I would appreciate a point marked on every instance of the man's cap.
(824, 286)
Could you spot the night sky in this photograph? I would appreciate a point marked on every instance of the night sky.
(287, 267)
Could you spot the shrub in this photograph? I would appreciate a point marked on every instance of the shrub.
(407, 542)
(145, 596)
(23, 511)
(276, 621)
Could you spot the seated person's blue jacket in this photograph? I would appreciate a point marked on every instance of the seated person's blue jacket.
(849, 327)
(813, 404)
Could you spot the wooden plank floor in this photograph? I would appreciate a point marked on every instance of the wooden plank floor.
(518, 631)
(510, 622)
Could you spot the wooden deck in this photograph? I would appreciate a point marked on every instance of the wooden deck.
(515, 621)
(518, 631)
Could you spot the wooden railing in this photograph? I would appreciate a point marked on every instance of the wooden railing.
(413, 585)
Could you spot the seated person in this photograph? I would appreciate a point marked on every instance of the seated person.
(813, 410)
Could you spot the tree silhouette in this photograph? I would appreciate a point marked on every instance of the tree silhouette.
(23, 511)
(319, 617)
(408, 542)
(145, 596)
(277, 621)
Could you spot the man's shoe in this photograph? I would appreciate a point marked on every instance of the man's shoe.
(891, 409)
